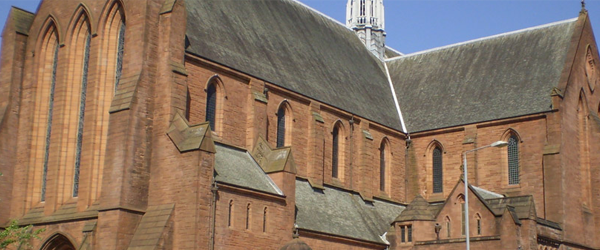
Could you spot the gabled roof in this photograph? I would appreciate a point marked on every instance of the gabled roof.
(497, 77)
(418, 209)
(237, 167)
(290, 45)
(343, 213)
(523, 206)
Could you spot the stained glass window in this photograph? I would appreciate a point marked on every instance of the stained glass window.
(334, 153)
(211, 105)
(409, 233)
(513, 160)
(437, 171)
(49, 123)
(382, 167)
(403, 233)
(119, 63)
(84, 79)
(281, 127)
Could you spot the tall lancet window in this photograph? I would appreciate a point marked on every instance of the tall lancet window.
(513, 160)
(51, 52)
(281, 126)
(437, 170)
(119, 62)
(384, 165)
(84, 81)
(211, 105)
(335, 153)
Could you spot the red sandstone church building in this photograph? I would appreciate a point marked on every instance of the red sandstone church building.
(263, 124)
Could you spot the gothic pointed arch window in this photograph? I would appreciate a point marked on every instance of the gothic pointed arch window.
(584, 158)
(211, 105)
(437, 170)
(284, 124)
(79, 64)
(46, 78)
(337, 151)
(448, 227)
(384, 165)
(513, 159)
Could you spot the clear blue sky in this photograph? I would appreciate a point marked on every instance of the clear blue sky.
(414, 25)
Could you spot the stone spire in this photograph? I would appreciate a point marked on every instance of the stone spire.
(366, 18)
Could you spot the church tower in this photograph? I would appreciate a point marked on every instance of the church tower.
(366, 18)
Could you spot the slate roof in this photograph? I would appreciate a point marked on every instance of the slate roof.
(418, 209)
(342, 213)
(497, 77)
(524, 206)
(237, 167)
(486, 194)
(288, 44)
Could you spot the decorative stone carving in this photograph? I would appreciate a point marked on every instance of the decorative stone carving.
(591, 69)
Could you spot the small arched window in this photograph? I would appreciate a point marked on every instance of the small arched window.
(385, 159)
(248, 216)
(335, 147)
(265, 220)
(438, 185)
(281, 122)
(448, 231)
(229, 214)
(211, 105)
(513, 160)
(119, 58)
(478, 218)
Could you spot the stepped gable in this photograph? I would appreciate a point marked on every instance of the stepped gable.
(491, 78)
(290, 45)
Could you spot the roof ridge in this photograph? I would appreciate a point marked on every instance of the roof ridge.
(320, 13)
(483, 39)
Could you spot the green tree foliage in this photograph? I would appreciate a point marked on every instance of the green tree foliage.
(20, 235)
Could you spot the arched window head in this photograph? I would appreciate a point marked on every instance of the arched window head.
(384, 165)
(211, 105)
(114, 44)
(437, 170)
(336, 150)
(513, 160)
(283, 124)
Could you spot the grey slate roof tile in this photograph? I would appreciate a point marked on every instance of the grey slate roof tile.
(343, 213)
(502, 76)
(290, 45)
(237, 167)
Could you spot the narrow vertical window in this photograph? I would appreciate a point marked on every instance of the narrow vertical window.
(120, 49)
(334, 152)
(478, 217)
(265, 220)
(211, 105)
(229, 213)
(438, 184)
(402, 233)
(248, 217)
(281, 126)
(463, 218)
(448, 231)
(409, 233)
(382, 166)
(84, 80)
(513, 160)
(49, 121)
